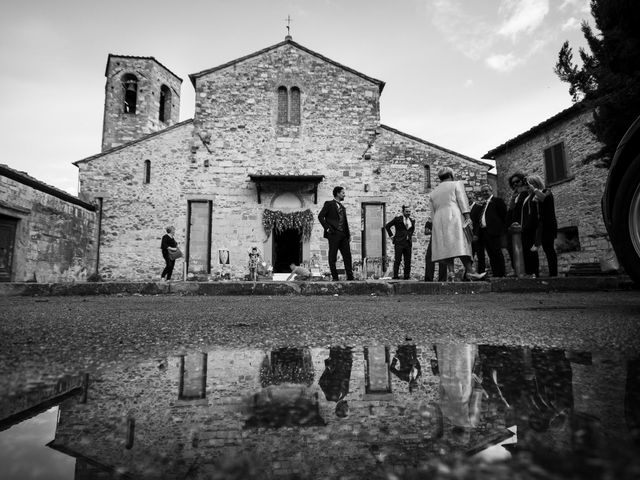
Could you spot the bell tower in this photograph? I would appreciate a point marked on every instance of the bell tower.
(141, 96)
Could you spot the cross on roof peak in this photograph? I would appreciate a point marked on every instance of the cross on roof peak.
(288, 20)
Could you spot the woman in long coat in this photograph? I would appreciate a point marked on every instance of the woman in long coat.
(450, 211)
(547, 223)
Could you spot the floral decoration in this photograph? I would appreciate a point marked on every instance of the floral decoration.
(280, 221)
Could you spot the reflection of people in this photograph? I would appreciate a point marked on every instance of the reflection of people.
(404, 227)
(406, 366)
(460, 383)
(429, 269)
(298, 272)
(490, 229)
(451, 230)
(333, 218)
(334, 381)
(547, 225)
(168, 244)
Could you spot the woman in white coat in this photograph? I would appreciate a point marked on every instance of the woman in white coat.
(450, 212)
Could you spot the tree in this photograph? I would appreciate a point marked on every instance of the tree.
(608, 80)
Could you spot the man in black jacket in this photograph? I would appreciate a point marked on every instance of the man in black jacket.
(404, 227)
(333, 218)
(490, 230)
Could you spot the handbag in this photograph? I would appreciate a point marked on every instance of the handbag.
(175, 254)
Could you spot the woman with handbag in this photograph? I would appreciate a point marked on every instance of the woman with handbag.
(170, 252)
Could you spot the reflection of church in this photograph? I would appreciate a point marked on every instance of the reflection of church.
(277, 407)
(188, 414)
(273, 133)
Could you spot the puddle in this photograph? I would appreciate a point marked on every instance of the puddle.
(362, 411)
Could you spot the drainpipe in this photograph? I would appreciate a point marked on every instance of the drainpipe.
(99, 235)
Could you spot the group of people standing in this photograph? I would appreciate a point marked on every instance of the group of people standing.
(462, 228)
(458, 228)
(528, 219)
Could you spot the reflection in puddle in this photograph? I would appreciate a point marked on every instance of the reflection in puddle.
(351, 411)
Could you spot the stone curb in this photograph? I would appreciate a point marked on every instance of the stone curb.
(369, 287)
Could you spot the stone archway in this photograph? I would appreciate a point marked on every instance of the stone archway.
(281, 249)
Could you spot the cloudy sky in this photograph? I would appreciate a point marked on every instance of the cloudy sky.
(464, 74)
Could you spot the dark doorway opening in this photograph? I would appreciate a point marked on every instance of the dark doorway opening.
(287, 249)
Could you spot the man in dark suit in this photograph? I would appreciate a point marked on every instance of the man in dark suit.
(490, 231)
(476, 209)
(402, 239)
(333, 218)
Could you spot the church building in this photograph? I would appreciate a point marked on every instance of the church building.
(273, 133)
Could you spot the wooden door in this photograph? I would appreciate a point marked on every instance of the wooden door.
(7, 243)
(199, 237)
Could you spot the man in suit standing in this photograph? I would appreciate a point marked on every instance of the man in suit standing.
(333, 218)
(476, 209)
(490, 230)
(404, 227)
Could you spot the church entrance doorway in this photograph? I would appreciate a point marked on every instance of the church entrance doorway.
(287, 249)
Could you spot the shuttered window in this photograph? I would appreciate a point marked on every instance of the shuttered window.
(555, 163)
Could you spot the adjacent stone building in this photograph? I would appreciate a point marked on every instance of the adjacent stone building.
(555, 150)
(272, 134)
(46, 235)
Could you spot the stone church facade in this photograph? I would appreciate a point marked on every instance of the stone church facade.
(272, 134)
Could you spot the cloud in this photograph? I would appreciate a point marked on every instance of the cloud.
(468, 33)
(522, 16)
(468, 83)
(571, 24)
(503, 62)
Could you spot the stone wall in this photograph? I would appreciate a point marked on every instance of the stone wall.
(235, 133)
(402, 160)
(55, 232)
(120, 127)
(134, 213)
(577, 199)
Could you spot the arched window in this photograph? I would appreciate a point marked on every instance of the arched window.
(283, 105)
(295, 106)
(130, 92)
(165, 104)
(147, 171)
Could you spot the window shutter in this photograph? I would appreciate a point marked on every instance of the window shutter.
(548, 165)
(559, 160)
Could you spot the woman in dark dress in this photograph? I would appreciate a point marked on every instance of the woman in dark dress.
(529, 220)
(168, 244)
(547, 223)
